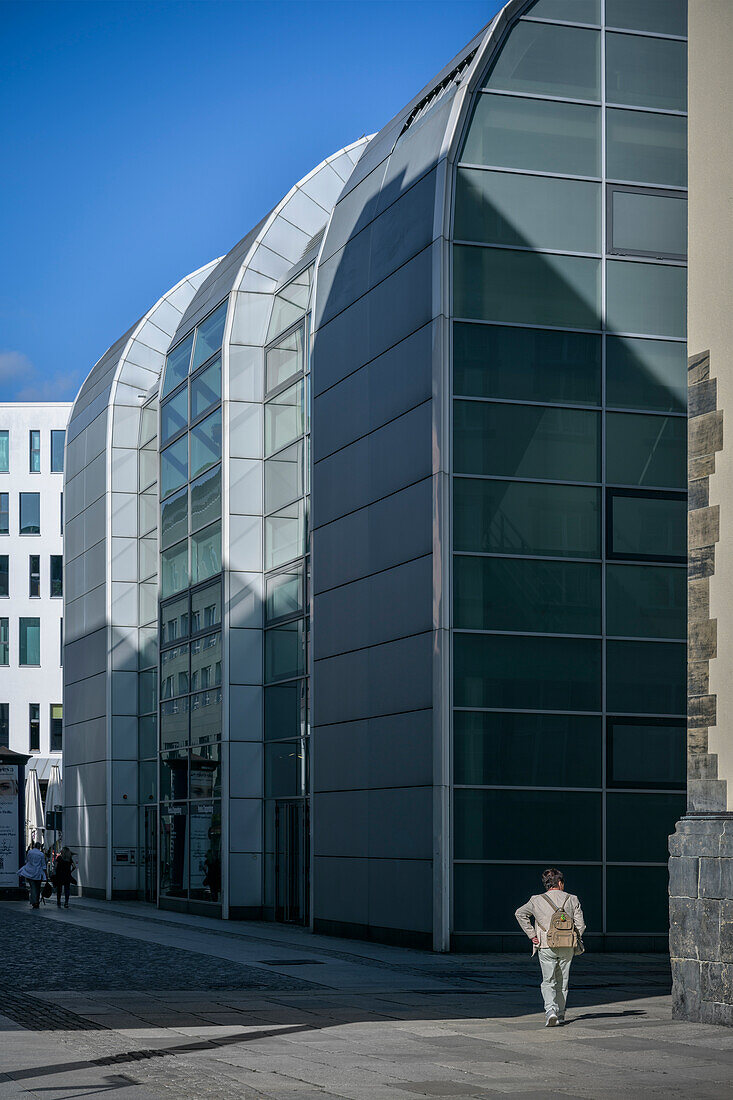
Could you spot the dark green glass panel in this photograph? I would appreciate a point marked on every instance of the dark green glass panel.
(645, 298)
(646, 148)
(646, 450)
(174, 519)
(547, 60)
(285, 711)
(493, 284)
(528, 364)
(176, 365)
(645, 374)
(284, 593)
(147, 736)
(648, 224)
(653, 527)
(572, 11)
(284, 769)
(174, 775)
(526, 441)
(638, 826)
(486, 895)
(173, 467)
(174, 672)
(524, 518)
(548, 750)
(646, 677)
(646, 601)
(518, 825)
(174, 620)
(646, 754)
(541, 135)
(637, 899)
(285, 651)
(646, 72)
(527, 211)
(527, 672)
(549, 597)
(655, 16)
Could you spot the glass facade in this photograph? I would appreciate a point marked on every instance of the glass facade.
(185, 660)
(287, 565)
(569, 464)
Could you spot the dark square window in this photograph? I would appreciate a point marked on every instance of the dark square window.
(4, 514)
(34, 576)
(34, 727)
(5, 725)
(57, 575)
(646, 525)
(30, 513)
(35, 452)
(4, 575)
(56, 715)
(58, 439)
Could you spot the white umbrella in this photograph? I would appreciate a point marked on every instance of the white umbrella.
(33, 808)
(54, 799)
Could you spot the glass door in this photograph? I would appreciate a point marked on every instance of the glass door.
(150, 854)
(291, 861)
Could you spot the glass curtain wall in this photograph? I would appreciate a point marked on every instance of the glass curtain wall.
(190, 703)
(147, 691)
(569, 470)
(287, 451)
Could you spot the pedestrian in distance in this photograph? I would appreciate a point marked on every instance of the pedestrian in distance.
(63, 875)
(554, 923)
(34, 872)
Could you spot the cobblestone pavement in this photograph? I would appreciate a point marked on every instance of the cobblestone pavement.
(118, 1000)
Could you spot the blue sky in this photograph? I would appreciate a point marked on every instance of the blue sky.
(140, 140)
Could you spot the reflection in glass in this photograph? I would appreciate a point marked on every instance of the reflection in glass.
(206, 499)
(494, 284)
(30, 513)
(284, 769)
(527, 364)
(174, 415)
(540, 135)
(648, 526)
(206, 608)
(524, 518)
(646, 450)
(174, 620)
(174, 775)
(654, 817)
(647, 223)
(284, 477)
(174, 569)
(646, 677)
(647, 754)
(284, 651)
(206, 662)
(646, 374)
(548, 60)
(209, 335)
(206, 389)
(290, 303)
(173, 467)
(517, 594)
(513, 824)
(147, 683)
(650, 886)
(543, 750)
(284, 593)
(205, 770)
(176, 365)
(284, 535)
(174, 723)
(174, 518)
(646, 72)
(147, 736)
(527, 673)
(206, 716)
(284, 418)
(174, 850)
(646, 601)
(657, 16)
(148, 466)
(174, 672)
(206, 553)
(286, 359)
(285, 715)
(30, 641)
(646, 298)
(528, 211)
(147, 782)
(526, 441)
(646, 148)
(484, 892)
(205, 828)
(148, 511)
(571, 11)
(205, 444)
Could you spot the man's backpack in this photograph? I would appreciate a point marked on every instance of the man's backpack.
(561, 931)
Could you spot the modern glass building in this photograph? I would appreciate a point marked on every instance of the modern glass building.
(402, 506)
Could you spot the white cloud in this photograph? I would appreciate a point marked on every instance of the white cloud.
(15, 366)
(20, 380)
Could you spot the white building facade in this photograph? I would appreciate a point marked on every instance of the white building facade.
(32, 442)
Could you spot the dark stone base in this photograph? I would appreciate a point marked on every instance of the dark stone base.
(395, 937)
(701, 918)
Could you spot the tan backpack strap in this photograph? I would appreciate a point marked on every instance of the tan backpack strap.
(557, 908)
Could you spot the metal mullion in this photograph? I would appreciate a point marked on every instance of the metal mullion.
(542, 96)
(558, 328)
(528, 248)
(530, 710)
(527, 172)
(526, 557)
(532, 480)
(646, 34)
(528, 634)
(604, 510)
(559, 22)
(646, 110)
(542, 404)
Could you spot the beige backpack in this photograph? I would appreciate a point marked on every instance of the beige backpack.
(561, 931)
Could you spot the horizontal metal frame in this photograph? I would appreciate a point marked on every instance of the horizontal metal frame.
(570, 328)
(640, 787)
(643, 490)
(529, 18)
(612, 492)
(570, 637)
(631, 409)
(609, 257)
(557, 558)
(567, 713)
(628, 789)
(627, 189)
(598, 103)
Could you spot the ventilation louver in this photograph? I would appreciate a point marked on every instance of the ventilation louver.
(437, 92)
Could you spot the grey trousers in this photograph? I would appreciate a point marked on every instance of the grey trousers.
(555, 965)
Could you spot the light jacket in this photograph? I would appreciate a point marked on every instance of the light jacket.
(34, 866)
(539, 910)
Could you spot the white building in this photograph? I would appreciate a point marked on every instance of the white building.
(32, 440)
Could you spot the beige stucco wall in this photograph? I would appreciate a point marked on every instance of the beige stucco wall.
(710, 307)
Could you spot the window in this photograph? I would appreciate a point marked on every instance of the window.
(174, 569)
(284, 477)
(174, 415)
(646, 374)
(57, 575)
(30, 513)
(35, 451)
(30, 642)
(646, 148)
(646, 601)
(4, 725)
(206, 389)
(528, 211)
(643, 222)
(284, 418)
(174, 519)
(34, 576)
(646, 677)
(58, 439)
(571, 11)
(4, 513)
(209, 335)
(657, 16)
(646, 72)
(205, 444)
(654, 817)
(493, 284)
(505, 128)
(206, 499)
(646, 450)
(61, 513)
(173, 467)
(4, 451)
(284, 594)
(61, 642)
(645, 298)
(548, 60)
(512, 822)
(34, 727)
(284, 535)
(484, 893)
(646, 526)
(646, 752)
(285, 651)
(206, 553)
(56, 727)
(4, 575)
(176, 365)
(286, 359)
(4, 641)
(528, 364)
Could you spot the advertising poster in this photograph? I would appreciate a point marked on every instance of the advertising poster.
(9, 825)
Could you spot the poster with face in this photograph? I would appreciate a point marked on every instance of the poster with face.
(9, 855)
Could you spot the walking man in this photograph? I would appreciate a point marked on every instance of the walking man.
(556, 934)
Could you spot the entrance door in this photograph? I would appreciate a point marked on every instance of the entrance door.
(291, 862)
(150, 854)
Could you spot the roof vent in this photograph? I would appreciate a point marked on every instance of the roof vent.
(313, 243)
(437, 92)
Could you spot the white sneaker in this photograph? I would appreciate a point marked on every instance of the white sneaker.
(551, 1018)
